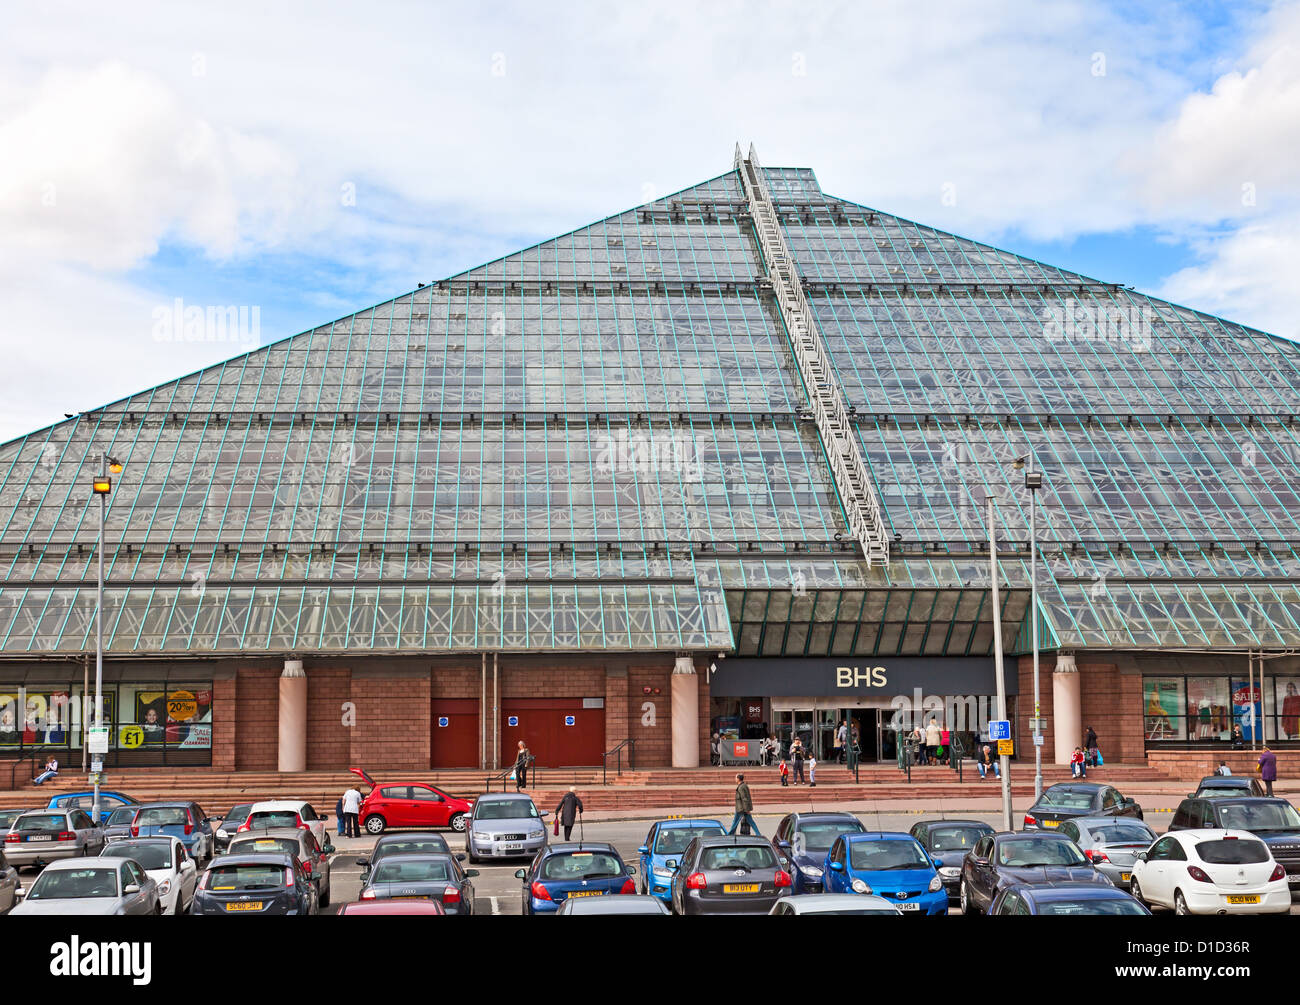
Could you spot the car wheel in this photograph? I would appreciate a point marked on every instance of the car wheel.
(375, 824)
(967, 905)
(158, 909)
(473, 859)
(1135, 891)
(1180, 903)
(458, 822)
(324, 898)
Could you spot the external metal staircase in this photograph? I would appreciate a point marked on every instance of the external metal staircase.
(852, 480)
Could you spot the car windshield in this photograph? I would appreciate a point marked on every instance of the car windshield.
(1067, 799)
(1121, 833)
(162, 816)
(1081, 907)
(742, 857)
(820, 836)
(1232, 851)
(123, 816)
(7, 817)
(273, 818)
(1258, 817)
(505, 809)
(882, 856)
(64, 884)
(581, 865)
(673, 840)
(266, 846)
(1024, 853)
(1220, 791)
(412, 846)
(248, 876)
(42, 822)
(398, 871)
(865, 912)
(237, 814)
(151, 856)
(956, 838)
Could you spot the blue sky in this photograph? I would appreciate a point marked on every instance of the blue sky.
(163, 152)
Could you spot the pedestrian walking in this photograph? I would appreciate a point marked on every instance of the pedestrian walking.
(796, 754)
(987, 761)
(744, 807)
(338, 817)
(51, 770)
(1090, 746)
(933, 739)
(351, 808)
(570, 806)
(812, 771)
(522, 759)
(918, 744)
(1268, 768)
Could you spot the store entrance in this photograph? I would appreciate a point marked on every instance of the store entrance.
(816, 729)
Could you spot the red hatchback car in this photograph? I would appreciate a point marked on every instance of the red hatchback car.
(410, 804)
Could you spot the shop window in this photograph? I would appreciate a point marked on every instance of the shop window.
(1163, 708)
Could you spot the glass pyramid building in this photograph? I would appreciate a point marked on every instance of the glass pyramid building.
(749, 417)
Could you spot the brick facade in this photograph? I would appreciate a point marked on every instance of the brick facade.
(225, 722)
(258, 717)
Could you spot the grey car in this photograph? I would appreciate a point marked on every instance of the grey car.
(728, 875)
(835, 903)
(1111, 844)
(296, 841)
(118, 825)
(45, 836)
(423, 877)
(620, 903)
(9, 885)
(504, 825)
(92, 886)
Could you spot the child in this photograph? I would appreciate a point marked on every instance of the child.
(1078, 767)
(785, 772)
(812, 772)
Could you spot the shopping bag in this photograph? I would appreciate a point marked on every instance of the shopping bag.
(555, 827)
(1100, 759)
(511, 776)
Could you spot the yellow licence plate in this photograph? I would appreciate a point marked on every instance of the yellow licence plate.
(587, 893)
(1243, 900)
(1051, 823)
(740, 888)
(245, 905)
(1124, 877)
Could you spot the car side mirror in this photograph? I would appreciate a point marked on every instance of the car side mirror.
(364, 863)
(460, 857)
(471, 873)
(630, 870)
(644, 850)
(1191, 795)
(671, 864)
(131, 888)
(837, 866)
(937, 862)
(783, 845)
(328, 849)
(521, 874)
(1141, 856)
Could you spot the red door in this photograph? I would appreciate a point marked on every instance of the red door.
(455, 739)
(558, 731)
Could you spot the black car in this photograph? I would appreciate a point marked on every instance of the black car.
(230, 824)
(1066, 899)
(254, 884)
(728, 875)
(418, 843)
(1274, 821)
(803, 839)
(423, 877)
(1079, 799)
(998, 860)
(1215, 786)
(949, 841)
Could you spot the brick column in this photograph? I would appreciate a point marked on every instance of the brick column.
(616, 707)
(225, 722)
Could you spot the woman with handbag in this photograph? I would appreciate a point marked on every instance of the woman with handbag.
(522, 760)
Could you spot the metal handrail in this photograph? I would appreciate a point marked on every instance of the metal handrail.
(905, 758)
(504, 775)
(956, 751)
(618, 750)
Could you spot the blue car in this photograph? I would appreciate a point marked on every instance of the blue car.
(666, 841)
(108, 802)
(803, 839)
(182, 820)
(571, 870)
(1065, 898)
(889, 864)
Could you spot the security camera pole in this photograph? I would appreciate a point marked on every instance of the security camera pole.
(1004, 760)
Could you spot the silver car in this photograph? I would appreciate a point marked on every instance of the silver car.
(92, 886)
(1111, 844)
(9, 885)
(504, 825)
(835, 903)
(39, 837)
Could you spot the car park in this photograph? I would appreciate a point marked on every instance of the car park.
(296, 841)
(948, 841)
(1032, 857)
(504, 825)
(393, 907)
(118, 824)
(664, 842)
(1273, 820)
(1111, 844)
(181, 819)
(230, 824)
(1078, 799)
(619, 903)
(423, 877)
(284, 813)
(888, 864)
(261, 884)
(404, 844)
(166, 862)
(729, 874)
(9, 884)
(835, 903)
(574, 870)
(108, 802)
(1214, 786)
(39, 837)
(803, 839)
(1067, 900)
(410, 804)
(87, 886)
(1211, 871)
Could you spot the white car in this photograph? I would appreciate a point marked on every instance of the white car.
(258, 817)
(834, 903)
(166, 862)
(1211, 872)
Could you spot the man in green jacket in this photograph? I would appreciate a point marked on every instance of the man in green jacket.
(744, 804)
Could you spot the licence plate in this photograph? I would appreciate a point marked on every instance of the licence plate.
(1125, 877)
(40, 837)
(1294, 878)
(909, 907)
(740, 888)
(1050, 823)
(514, 847)
(587, 893)
(245, 905)
(1240, 899)
(409, 898)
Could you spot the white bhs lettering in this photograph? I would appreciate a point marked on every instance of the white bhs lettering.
(859, 677)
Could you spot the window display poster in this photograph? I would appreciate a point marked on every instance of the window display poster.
(1288, 701)
(1245, 708)
(1163, 708)
(1209, 717)
(182, 716)
(35, 719)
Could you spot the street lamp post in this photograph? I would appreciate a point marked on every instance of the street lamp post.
(999, 672)
(102, 486)
(1033, 482)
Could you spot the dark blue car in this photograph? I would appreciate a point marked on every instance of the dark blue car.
(568, 871)
(1077, 899)
(804, 839)
(108, 802)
